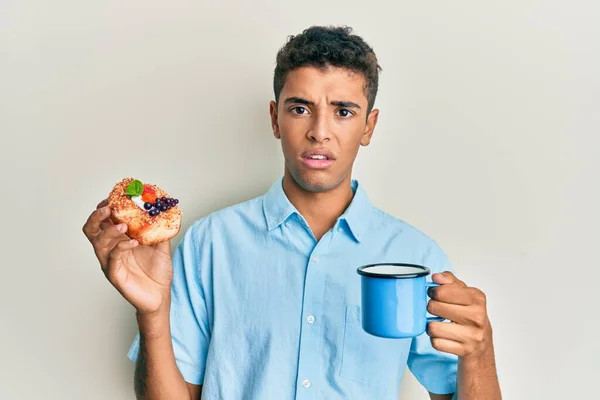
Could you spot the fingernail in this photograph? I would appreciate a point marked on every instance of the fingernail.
(122, 227)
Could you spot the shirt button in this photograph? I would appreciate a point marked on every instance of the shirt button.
(306, 383)
(340, 229)
(310, 319)
(315, 259)
(287, 224)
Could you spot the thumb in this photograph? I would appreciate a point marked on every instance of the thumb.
(164, 247)
(441, 278)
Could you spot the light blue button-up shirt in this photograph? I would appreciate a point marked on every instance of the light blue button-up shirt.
(261, 310)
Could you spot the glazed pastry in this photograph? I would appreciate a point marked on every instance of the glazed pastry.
(151, 215)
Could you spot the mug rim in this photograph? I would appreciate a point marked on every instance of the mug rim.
(425, 271)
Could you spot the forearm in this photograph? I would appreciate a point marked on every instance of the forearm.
(156, 374)
(478, 378)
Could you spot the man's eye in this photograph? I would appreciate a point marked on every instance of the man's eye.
(299, 110)
(344, 113)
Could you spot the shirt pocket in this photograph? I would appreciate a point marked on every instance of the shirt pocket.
(369, 359)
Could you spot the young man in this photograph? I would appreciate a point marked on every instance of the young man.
(262, 300)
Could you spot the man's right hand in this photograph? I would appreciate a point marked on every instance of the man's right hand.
(142, 274)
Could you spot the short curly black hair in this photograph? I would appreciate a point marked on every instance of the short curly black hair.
(324, 46)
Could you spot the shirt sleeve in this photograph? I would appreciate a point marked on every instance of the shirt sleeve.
(435, 370)
(190, 327)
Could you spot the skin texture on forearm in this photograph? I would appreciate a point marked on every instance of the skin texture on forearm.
(156, 374)
(478, 379)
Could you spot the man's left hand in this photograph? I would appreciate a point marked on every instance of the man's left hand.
(469, 334)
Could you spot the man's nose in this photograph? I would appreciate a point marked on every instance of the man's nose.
(319, 129)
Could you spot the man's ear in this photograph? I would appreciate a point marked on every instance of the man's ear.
(369, 128)
(274, 123)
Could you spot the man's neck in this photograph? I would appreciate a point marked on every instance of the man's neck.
(320, 209)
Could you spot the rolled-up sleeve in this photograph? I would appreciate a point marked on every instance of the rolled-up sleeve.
(190, 327)
(435, 370)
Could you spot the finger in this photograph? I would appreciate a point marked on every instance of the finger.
(109, 237)
(452, 312)
(103, 203)
(92, 226)
(446, 278)
(453, 294)
(448, 346)
(474, 315)
(452, 331)
(118, 252)
(106, 224)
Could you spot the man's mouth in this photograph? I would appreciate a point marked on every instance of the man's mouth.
(318, 154)
(317, 159)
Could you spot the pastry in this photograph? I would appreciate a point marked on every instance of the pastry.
(151, 215)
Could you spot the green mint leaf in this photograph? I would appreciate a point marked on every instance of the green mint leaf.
(135, 188)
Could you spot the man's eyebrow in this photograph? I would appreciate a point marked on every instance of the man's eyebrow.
(300, 100)
(345, 104)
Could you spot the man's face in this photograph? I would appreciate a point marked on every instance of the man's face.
(322, 121)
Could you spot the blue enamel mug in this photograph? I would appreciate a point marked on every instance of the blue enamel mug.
(394, 299)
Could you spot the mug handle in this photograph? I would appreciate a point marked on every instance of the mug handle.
(430, 319)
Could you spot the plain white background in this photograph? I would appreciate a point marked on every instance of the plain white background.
(487, 141)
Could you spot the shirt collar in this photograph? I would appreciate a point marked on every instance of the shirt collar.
(276, 206)
(358, 213)
(277, 209)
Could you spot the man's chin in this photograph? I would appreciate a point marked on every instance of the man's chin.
(315, 181)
